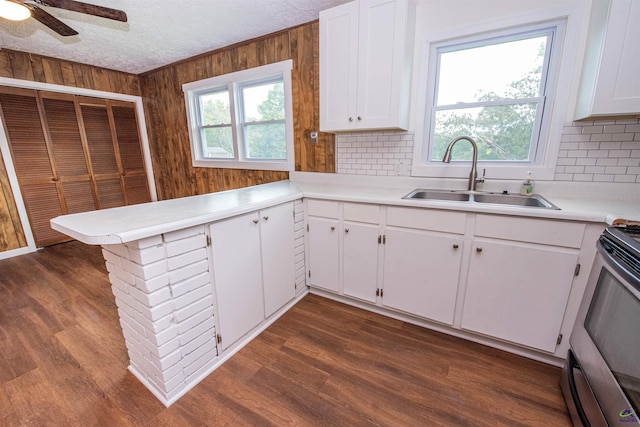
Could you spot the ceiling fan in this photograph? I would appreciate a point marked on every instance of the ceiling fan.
(18, 10)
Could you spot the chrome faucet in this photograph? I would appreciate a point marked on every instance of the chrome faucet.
(473, 176)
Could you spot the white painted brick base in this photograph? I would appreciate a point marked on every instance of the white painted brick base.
(164, 296)
(299, 246)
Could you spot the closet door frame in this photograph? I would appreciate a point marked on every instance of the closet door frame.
(8, 159)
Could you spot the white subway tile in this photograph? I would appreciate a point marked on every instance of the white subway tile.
(624, 178)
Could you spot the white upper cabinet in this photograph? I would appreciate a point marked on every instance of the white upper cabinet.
(366, 51)
(610, 85)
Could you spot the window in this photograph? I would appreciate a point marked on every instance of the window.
(243, 119)
(497, 89)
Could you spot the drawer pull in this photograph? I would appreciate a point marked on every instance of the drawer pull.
(478, 250)
(455, 246)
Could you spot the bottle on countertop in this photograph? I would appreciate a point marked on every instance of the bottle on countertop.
(526, 188)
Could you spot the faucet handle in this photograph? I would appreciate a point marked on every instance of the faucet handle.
(480, 180)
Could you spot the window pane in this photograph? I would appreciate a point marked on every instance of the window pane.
(217, 143)
(214, 108)
(263, 102)
(510, 70)
(265, 141)
(502, 132)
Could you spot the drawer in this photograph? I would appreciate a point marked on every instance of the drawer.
(323, 208)
(532, 230)
(427, 219)
(362, 213)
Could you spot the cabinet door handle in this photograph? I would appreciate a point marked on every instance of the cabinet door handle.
(350, 119)
(255, 221)
(266, 217)
(478, 250)
(55, 179)
(332, 228)
(359, 118)
(346, 230)
(455, 246)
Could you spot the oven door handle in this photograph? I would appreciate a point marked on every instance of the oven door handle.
(608, 254)
(573, 363)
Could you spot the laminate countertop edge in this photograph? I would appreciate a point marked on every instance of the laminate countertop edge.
(135, 222)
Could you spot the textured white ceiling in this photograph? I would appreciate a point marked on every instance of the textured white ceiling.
(159, 32)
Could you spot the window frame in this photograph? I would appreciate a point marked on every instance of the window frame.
(233, 83)
(545, 156)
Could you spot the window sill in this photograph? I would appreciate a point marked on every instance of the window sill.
(272, 165)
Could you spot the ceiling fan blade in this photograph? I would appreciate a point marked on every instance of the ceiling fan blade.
(86, 8)
(54, 23)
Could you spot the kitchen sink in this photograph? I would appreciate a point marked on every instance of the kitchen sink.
(515, 200)
(457, 196)
(533, 201)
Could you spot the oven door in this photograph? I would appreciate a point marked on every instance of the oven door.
(606, 341)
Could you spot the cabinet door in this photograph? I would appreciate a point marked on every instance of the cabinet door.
(618, 86)
(522, 300)
(235, 247)
(382, 45)
(360, 260)
(421, 273)
(338, 67)
(278, 257)
(324, 255)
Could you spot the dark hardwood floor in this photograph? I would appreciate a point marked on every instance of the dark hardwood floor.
(63, 362)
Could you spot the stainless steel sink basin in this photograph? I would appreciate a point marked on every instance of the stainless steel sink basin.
(457, 196)
(533, 201)
(515, 200)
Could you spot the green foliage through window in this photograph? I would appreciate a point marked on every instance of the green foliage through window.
(493, 93)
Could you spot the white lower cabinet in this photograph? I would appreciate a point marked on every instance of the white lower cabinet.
(518, 293)
(278, 256)
(324, 255)
(421, 272)
(504, 277)
(360, 260)
(253, 268)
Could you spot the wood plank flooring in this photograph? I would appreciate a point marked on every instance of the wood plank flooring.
(63, 362)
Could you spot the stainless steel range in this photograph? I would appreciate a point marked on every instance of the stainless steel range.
(601, 377)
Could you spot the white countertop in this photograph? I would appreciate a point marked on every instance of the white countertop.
(135, 222)
(573, 209)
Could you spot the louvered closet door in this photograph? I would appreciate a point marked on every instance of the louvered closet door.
(31, 155)
(72, 154)
(135, 183)
(70, 160)
(102, 150)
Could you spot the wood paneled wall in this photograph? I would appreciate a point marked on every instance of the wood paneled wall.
(25, 66)
(167, 119)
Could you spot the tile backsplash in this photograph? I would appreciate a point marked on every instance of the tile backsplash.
(590, 151)
(600, 151)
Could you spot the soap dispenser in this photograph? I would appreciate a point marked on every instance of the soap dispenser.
(526, 188)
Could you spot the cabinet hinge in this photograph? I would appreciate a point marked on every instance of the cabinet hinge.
(218, 338)
(208, 240)
(577, 270)
(307, 228)
(559, 340)
(309, 273)
(379, 292)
